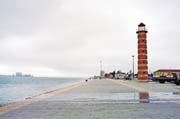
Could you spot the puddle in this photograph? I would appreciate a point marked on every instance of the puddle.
(132, 97)
(164, 96)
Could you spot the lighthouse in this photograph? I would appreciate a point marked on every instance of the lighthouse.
(142, 53)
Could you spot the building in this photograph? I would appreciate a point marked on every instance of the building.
(120, 75)
(142, 53)
(164, 72)
(115, 75)
(19, 74)
(102, 74)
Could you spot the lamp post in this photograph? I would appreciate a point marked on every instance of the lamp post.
(100, 65)
(133, 65)
(100, 69)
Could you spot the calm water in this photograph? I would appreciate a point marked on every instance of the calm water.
(14, 89)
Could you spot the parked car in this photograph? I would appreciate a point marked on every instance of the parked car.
(127, 77)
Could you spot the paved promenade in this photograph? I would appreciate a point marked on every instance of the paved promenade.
(103, 99)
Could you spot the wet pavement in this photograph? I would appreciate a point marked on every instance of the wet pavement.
(106, 99)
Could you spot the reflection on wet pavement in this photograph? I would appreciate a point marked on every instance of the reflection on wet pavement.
(144, 97)
(132, 97)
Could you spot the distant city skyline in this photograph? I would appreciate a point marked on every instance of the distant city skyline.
(68, 38)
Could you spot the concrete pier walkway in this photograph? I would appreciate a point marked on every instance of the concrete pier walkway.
(103, 99)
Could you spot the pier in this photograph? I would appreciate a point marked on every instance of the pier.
(100, 99)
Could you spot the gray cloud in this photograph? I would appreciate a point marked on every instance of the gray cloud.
(70, 37)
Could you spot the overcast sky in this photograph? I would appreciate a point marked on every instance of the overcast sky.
(70, 37)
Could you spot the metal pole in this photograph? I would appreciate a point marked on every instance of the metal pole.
(100, 68)
(133, 65)
(100, 65)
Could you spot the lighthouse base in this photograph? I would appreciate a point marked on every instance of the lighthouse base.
(143, 81)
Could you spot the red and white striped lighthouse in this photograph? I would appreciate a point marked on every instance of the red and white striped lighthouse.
(142, 53)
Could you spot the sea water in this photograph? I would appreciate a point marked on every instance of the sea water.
(13, 89)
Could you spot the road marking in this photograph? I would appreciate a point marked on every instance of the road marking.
(14, 106)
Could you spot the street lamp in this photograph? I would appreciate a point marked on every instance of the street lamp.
(100, 65)
(100, 69)
(133, 65)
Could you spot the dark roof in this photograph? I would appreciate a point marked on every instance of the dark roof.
(141, 24)
(168, 70)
